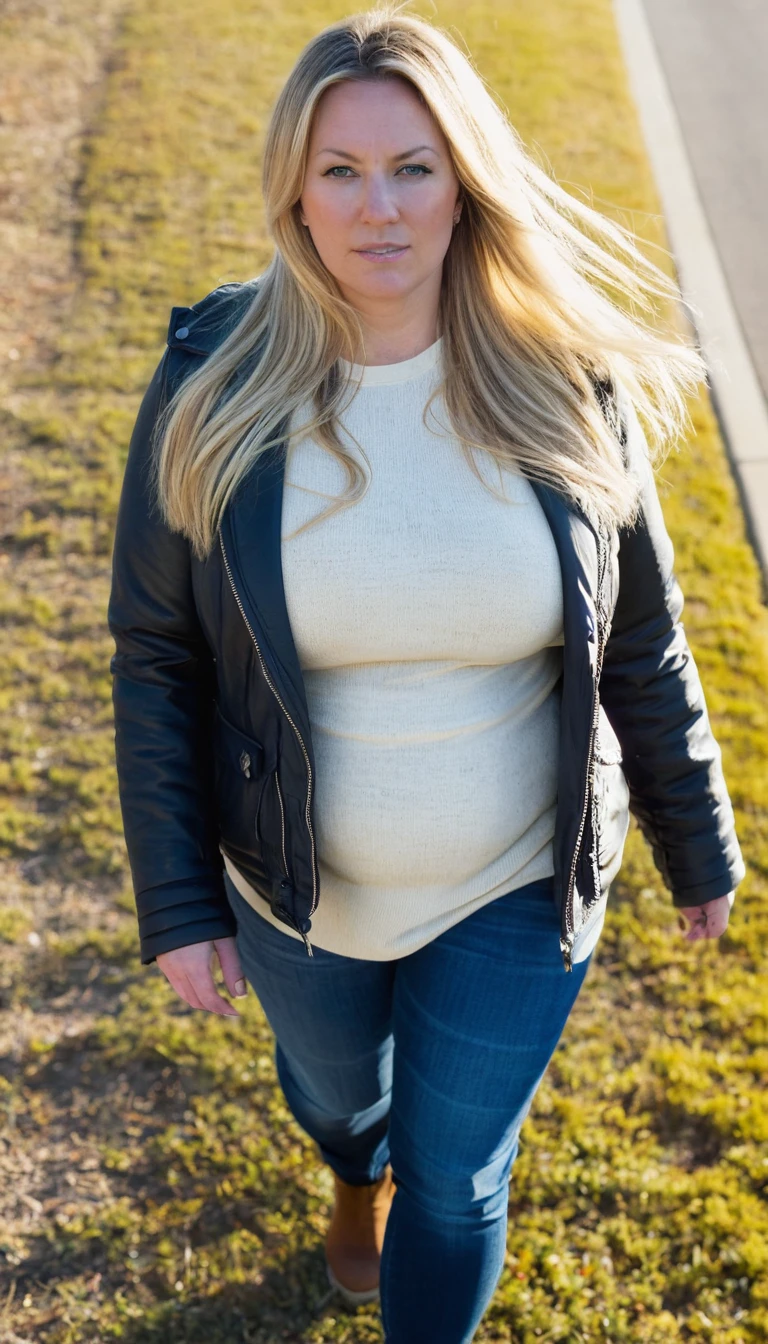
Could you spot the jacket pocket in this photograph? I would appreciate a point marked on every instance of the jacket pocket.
(241, 772)
(271, 825)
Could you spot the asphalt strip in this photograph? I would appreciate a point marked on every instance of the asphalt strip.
(737, 396)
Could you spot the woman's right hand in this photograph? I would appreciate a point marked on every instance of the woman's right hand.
(189, 970)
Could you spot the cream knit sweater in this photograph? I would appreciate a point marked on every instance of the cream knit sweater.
(428, 623)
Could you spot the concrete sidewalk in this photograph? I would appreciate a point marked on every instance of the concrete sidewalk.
(711, 302)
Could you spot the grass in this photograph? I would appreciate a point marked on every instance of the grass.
(157, 1188)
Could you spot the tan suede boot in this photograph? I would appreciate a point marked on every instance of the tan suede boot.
(356, 1235)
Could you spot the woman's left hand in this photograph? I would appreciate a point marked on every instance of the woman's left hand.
(706, 921)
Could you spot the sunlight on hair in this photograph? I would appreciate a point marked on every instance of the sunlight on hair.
(542, 297)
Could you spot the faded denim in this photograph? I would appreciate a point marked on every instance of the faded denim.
(431, 1062)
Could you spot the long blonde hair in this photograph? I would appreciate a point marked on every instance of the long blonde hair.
(525, 313)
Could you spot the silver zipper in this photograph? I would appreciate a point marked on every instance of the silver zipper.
(276, 694)
(567, 957)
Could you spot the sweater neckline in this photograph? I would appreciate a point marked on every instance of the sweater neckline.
(380, 375)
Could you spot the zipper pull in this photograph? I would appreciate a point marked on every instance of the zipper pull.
(303, 926)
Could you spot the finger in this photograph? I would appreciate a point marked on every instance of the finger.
(699, 932)
(706, 921)
(185, 997)
(181, 968)
(216, 1004)
(231, 968)
(192, 996)
(694, 918)
(717, 923)
(205, 990)
(698, 924)
(178, 982)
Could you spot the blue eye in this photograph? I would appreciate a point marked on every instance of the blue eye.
(341, 166)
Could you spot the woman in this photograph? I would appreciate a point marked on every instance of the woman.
(412, 724)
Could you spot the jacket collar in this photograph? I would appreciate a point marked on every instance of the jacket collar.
(201, 327)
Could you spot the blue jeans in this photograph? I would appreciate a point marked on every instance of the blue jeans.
(430, 1061)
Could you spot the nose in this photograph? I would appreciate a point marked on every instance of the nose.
(378, 201)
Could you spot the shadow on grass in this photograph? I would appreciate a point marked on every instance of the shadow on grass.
(176, 1198)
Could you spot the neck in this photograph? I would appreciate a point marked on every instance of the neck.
(390, 342)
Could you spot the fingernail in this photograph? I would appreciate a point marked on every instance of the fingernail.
(240, 990)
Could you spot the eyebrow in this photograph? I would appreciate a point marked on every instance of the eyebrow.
(343, 154)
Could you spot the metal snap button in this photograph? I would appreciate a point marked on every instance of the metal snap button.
(245, 764)
(181, 333)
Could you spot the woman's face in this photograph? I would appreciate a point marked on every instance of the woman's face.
(379, 172)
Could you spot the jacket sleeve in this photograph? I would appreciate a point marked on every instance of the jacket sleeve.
(652, 693)
(162, 688)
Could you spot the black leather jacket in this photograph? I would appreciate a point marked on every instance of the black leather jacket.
(212, 734)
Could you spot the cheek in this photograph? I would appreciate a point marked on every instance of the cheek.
(332, 220)
(325, 203)
(437, 211)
